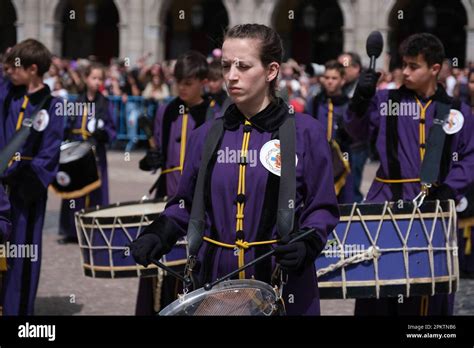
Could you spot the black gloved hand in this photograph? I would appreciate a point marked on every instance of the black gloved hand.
(367, 84)
(153, 160)
(157, 240)
(291, 256)
(146, 248)
(442, 192)
(101, 136)
(365, 90)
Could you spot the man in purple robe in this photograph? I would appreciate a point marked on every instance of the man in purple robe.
(31, 170)
(401, 143)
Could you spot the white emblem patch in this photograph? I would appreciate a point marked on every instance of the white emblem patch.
(41, 121)
(270, 156)
(454, 123)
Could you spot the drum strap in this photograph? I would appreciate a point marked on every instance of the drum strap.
(391, 143)
(287, 186)
(430, 167)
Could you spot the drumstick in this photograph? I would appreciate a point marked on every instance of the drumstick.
(185, 280)
(209, 286)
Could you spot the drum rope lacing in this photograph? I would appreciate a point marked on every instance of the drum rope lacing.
(374, 252)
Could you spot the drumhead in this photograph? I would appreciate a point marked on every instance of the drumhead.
(73, 151)
(129, 209)
(232, 297)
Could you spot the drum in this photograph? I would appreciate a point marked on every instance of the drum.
(104, 236)
(232, 297)
(390, 249)
(77, 175)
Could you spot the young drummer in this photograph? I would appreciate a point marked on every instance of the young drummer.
(329, 107)
(95, 124)
(32, 169)
(175, 121)
(240, 193)
(401, 144)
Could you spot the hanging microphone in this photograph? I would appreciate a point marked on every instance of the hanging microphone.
(374, 47)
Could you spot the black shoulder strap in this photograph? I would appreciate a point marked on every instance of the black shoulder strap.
(197, 222)
(430, 167)
(391, 143)
(287, 191)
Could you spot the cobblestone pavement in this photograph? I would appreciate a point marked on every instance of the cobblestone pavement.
(64, 290)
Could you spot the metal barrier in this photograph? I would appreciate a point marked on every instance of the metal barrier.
(125, 116)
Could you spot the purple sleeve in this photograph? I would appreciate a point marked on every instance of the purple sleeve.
(179, 208)
(320, 209)
(362, 128)
(461, 173)
(5, 225)
(45, 163)
(158, 126)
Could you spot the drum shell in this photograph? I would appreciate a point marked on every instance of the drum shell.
(434, 271)
(105, 241)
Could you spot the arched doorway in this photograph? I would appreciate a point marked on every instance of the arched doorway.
(90, 27)
(311, 30)
(445, 19)
(7, 25)
(195, 24)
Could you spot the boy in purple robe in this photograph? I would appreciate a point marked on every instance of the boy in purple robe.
(329, 107)
(95, 124)
(401, 144)
(175, 121)
(243, 179)
(173, 125)
(31, 170)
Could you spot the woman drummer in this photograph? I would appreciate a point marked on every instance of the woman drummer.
(242, 176)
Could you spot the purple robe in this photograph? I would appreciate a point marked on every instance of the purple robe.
(316, 204)
(372, 125)
(41, 154)
(320, 109)
(100, 196)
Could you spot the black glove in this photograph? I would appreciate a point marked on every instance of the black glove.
(147, 247)
(156, 240)
(26, 182)
(290, 256)
(442, 192)
(367, 84)
(298, 255)
(101, 136)
(365, 90)
(153, 160)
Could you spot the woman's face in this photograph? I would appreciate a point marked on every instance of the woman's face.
(245, 77)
